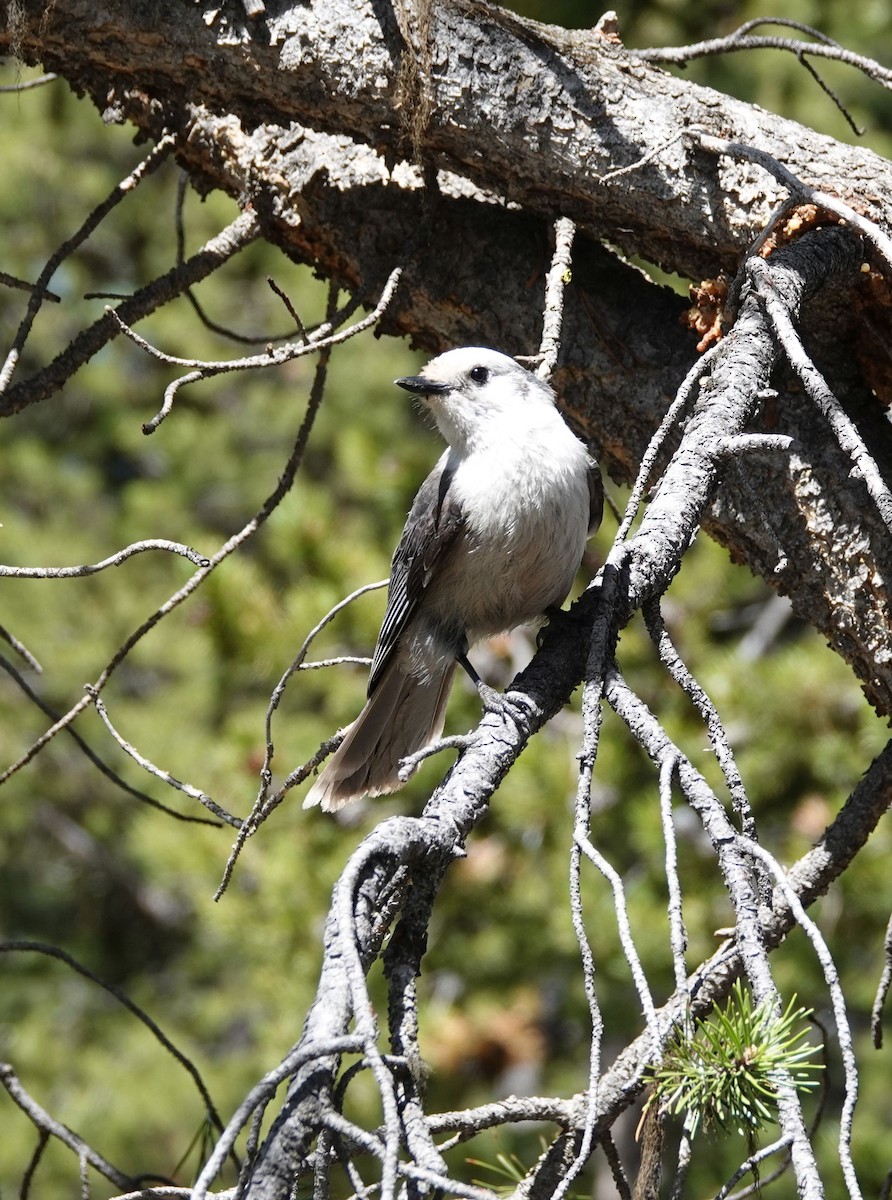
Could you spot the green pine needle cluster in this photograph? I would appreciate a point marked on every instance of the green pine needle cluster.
(727, 1071)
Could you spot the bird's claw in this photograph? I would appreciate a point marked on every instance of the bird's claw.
(506, 704)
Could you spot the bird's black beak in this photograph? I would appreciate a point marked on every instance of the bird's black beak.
(423, 387)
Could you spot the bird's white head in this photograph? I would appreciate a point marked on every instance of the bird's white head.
(473, 389)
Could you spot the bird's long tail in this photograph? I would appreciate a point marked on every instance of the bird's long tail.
(403, 715)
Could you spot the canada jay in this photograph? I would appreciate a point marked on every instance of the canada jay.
(493, 539)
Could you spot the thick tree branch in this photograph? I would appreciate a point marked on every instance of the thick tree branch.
(539, 115)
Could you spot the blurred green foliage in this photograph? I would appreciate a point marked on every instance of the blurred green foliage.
(127, 889)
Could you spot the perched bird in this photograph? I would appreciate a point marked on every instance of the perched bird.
(494, 537)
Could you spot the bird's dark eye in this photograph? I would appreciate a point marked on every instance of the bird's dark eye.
(479, 374)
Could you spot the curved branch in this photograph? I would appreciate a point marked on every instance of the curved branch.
(114, 560)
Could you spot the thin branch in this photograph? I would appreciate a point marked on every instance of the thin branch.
(25, 85)
(47, 381)
(342, 660)
(150, 163)
(828, 91)
(21, 649)
(876, 1012)
(556, 281)
(94, 758)
(718, 737)
(263, 804)
(511, 1110)
(159, 772)
(18, 946)
(740, 40)
(683, 1159)
(260, 1094)
(678, 938)
(600, 651)
(42, 1120)
(344, 901)
(114, 560)
(43, 1138)
(213, 326)
(734, 855)
(625, 936)
(409, 764)
(169, 1193)
(799, 192)
(683, 398)
(22, 285)
(607, 1144)
(844, 428)
(758, 1156)
(837, 997)
(318, 339)
(372, 1145)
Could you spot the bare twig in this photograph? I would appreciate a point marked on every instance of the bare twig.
(843, 1029)
(816, 388)
(625, 936)
(213, 326)
(734, 855)
(47, 381)
(317, 339)
(344, 900)
(608, 1145)
(261, 1094)
(94, 757)
(263, 804)
(114, 560)
(342, 660)
(683, 398)
(758, 1156)
(600, 653)
(556, 281)
(718, 738)
(25, 85)
(678, 938)
(158, 772)
(799, 192)
(409, 764)
(20, 649)
(43, 1138)
(149, 164)
(825, 47)
(14, 947)
(876, 1012)
(42, 1120)
(503, 1112)
(22, 285)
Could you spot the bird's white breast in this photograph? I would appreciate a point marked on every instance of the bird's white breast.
(525, 501)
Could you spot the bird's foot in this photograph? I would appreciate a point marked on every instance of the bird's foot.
(506, 704)
(514, 705)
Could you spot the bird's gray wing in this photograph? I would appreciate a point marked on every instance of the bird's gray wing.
(595, 495)
(434, 522)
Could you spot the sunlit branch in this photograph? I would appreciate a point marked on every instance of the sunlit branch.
(113, 560)
(158, 772)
